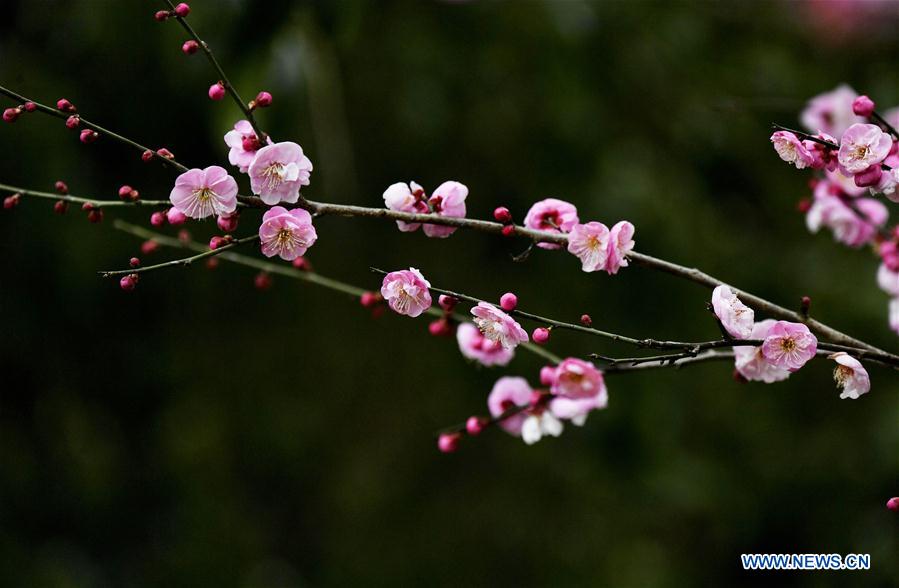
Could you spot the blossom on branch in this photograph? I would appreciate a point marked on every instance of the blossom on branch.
(243, 145)
(498, 326)
(831, 112)
(599, 248)
(286, 233)
(791, 149)
(447, 200)
(475, 346)
(278, 172)
(862, 146)
(751, 363)
(407, 292)
(789, 345)
(736, 318)
(200, 193)
(850, 375)
(551, 215)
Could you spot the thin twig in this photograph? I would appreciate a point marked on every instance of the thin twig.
(184, 262)
(80, 200)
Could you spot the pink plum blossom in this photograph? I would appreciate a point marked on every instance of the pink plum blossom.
(736, 318)
(789, 345)
(286, 233)
(407, 292)
(750, 362)
(831, 112)
(598, 248)
(851, 227)
(850, 375)
(243, 145)
(894, 314)
(823, 157)
(403, 197)
(278, 172)
(861, 146)
(498, 326)
(888, 280)
(507, 393)
(838, 183)
(447, 200)
(791, 149)
(551, 215)
(200, 193)
(576, 379)
(475, 346)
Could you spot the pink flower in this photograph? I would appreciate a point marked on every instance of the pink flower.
(736, 317)
(598, 248)
(407, 292)
(831, 112)
(789, 345)
(286, 233)
(577, 379)
(791, 149)
(498, 326)
(823, 157)
(837, 184)
(199, 193)
(509, 392)
(475, 346)
(403, 197)
(243, 145)
(447, 200)
(750, 362)
(278, 171)
(590, 243)
(552, 215)
(888, 280)
(851, 227)
(894, 314)
(861, 146)
(850, 375)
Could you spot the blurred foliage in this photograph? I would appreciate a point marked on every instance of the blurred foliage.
(201, 433)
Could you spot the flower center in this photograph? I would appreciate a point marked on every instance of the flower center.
(841, 374)
(204, 195)
(273, 174)
(860, 152)
(787, 344)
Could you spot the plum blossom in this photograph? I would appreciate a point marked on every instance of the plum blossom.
(894, 314)
(475, 346)
(831, 112)
(850, 375)
(599, 248)
(851, 227)
(407, 292)
(575, 378)
(507, 393)
(736, 318)
(403, 197)
(498, 326)
(750, 362)
(838, 183)
(243, 145)
(823, 157)
(278, 172)
(792, 150)
(199, 193)
(447, 200)
(789, 345)
(539, 424)
(552, 215)
(286, 233)
(861, 146)
(888, 280)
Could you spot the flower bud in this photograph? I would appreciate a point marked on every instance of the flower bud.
(251, 143)
(893, 504)
(217, 242)
(508, 301)
(863, 106)
(29, 106)
(301, 263)
(869, 177)
(217, 91)
(11, 201)
(149, 246)
(370, 299)
(157, 219)
(540, 335)
(175, 217)
(586, 320)
(125, 192)
(228, 222)
(474, 425)
(508, 230)
(448, 442)
(263, 99)
(60, 207)
(182, 9)
(61, 187)
(128, 283)
(440, 328)
(11, 114)
(146, 155)
(88, 136)
(162, 15)
(163, 152)
(65, 106)
(190, 47)
(262, 281)
(95, 216)
(502, 215)
(134, 262)
(447, 303)
(73, 121)
(547, 375)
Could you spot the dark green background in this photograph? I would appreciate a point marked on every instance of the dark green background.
(198, 432)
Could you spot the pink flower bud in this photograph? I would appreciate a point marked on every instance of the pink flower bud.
(88, 136)
(370, 299)
(30, 106)
(128, 283)
(586, 320)
(869, 177)
(474, 425)
(508, 230)
(157, 219)
(125, 192)
(190, 47)
(73, 121)
(184, 236)
(162, 15)
(301, 263)
(263, 99)
(508, 301)
(863, 106)
(163, 152)
(547, 375)
(502, 215)
(64, 105)
(448, 442)
(146, 155)
(440, 328)
(87, 207)
(60, 207)
(250, 143)
(61, 187)
(149, 246)
(447, 303)
(262, 281)
(134, 262)
(540, 335)
(95, 216)
(893, 504)
(182, 9)
(217, 91)
(216, 242)
(228, 222)
(175, 217)
(11, 201)
(11, 114)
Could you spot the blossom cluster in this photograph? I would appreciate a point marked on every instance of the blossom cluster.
(854, 151)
